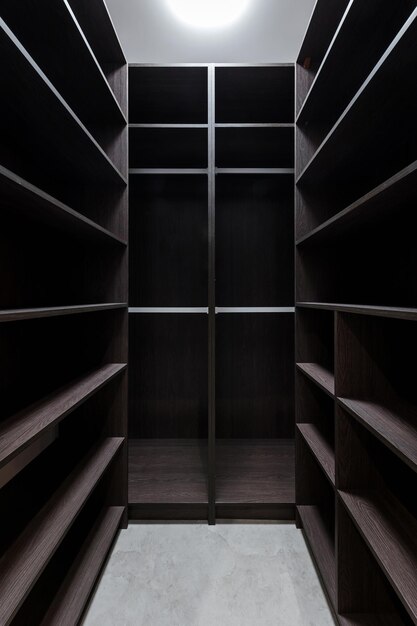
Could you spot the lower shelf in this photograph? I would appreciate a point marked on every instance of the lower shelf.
(168, 479)
(255, 478)
(75, 591)
(322, 546)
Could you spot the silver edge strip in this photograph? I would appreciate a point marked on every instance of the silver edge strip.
(254, 170)
(167, 171)
(167, 309)
(168, 125)
(255, 125)
(255, 309)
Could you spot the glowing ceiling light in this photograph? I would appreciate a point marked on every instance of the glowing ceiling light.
(208, 13)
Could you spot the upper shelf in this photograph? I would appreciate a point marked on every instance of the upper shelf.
(352, 49)
(380, 149)
(96, 23)
(168, 95)
(20, 196)
(255, 94)
(16, 315)
(86, 90)
(39, 129)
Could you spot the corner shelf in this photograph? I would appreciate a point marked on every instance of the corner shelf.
(20, 430)
(391, 534)
(319, 375)
(322, 546)
(395, 426)
(71, 599)
(320, 448)
(48, 115)
(26, 558)
(18, 195)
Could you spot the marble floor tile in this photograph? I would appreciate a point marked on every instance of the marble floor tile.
(199, 575)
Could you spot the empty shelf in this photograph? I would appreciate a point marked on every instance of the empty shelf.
(322, 546)
(22, 429)
(391, 534)
(25, 559)
(360, 309)
(15, 315)
(18, 195)
(319, 375)
(167, 471)
(320, 448)
(255, 471)
(68, 604)
(395, 426)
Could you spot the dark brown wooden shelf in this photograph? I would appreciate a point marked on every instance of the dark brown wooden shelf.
(377, 311)
(16, 315)
(20, 430)
(49, 117)
(322, 546)
(363, 619)
(167, 471)
(352, 41)
(391, 534)
(319, 375)
(395, 426)
(96, 23)
(25, 559)
(19, 196)
(70, 601)
(331, 162)
(255, 471)
(320, 448)
(390, 196)
(87, 91)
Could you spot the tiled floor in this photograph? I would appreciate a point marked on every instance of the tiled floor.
(199, 575)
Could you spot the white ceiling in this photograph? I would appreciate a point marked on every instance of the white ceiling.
(270, 31)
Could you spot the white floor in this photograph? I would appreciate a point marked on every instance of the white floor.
(199, 575)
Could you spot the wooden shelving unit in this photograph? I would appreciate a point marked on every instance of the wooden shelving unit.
(211, 223)
(63, 307)
(356, 437)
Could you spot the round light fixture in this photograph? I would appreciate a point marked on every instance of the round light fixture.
(208, 13)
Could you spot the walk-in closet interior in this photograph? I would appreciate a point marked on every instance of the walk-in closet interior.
(208, 303)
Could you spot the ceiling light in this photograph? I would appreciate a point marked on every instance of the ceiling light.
(208, 13)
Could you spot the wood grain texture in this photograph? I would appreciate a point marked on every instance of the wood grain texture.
(24, 561)
(395, 426)
(168, 147)
(321, 544)
(71, 599)
(253, 471)
(319, 375)
(321, 449)
(390, 532)
(21, 430)
(167, 471)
